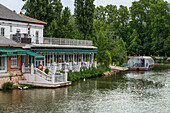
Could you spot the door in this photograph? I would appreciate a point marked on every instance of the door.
(3, 64)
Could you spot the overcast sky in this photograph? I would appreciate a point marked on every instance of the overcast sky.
(17, 4)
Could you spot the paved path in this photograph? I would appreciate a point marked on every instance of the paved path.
(119, 68)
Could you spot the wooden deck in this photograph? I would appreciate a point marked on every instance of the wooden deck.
(119, 68)
(46, 85)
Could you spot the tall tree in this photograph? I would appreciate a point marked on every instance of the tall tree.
(45, 10)
(84, 16)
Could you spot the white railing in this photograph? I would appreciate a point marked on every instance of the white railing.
(59, 77)
(27, 69)
(42, 74)
(63, 41)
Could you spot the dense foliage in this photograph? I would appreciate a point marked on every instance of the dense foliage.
(7, 85)
(87, 73)
(143, 29)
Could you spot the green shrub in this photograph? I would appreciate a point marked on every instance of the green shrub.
(87, 73)
(7, 85)
(165, 58)
(153, 58)
(46, 70)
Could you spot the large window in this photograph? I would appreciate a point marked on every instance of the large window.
(13, 61)
(2, 31)
(3, 64)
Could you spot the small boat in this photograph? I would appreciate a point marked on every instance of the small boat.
(142, 63)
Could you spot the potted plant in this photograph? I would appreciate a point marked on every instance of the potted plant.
(59, 60)
(79, 59)
(48, 61)
(88, 60)
(70, 60)
(95, 59)
(46, 70)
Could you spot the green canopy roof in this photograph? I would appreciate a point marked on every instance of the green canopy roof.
(12, 51)
(67, 50)
(36, 55)
(19, 51)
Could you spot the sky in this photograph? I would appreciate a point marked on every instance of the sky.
(18, 4)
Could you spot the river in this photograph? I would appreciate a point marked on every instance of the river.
(123, 92)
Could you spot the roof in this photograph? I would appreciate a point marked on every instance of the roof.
(7, 14)
(62, 46)
(32, 20)
(66, 50)
(7, 42)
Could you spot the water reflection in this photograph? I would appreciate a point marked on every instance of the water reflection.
(121, 92)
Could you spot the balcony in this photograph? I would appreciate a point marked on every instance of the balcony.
(63, 41)
(21, 38)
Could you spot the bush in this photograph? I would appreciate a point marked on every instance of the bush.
(165, 58)
(46, 70)
(7, 85)
(87, 73)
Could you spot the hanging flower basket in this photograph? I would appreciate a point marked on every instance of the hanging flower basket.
(70, 60)
(59, 60)
(79, 59)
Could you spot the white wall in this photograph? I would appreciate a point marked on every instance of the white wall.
(23, 29)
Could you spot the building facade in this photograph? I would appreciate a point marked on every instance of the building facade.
(20, 27)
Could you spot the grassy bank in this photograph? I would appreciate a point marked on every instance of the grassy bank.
(164, 66)
(87, 73)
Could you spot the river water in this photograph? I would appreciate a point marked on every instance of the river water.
(124, 92)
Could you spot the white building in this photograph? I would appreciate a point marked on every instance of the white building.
(29, 32)
(13, 26)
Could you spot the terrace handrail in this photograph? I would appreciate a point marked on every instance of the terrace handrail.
(64, 41)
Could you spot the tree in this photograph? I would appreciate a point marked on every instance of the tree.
(45, 10)
(84, 16)
(134, 48)
(167, 46)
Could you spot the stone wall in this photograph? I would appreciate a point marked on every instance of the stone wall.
(6, 77)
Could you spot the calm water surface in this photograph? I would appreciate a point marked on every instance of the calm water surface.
(125, 92)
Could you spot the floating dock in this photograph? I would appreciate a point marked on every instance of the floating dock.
(119, 68)
(45, 85)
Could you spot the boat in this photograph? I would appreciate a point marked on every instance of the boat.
(142, 63)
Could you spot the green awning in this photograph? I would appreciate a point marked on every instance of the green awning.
(12, 51)
(67, 50)
(36, 55)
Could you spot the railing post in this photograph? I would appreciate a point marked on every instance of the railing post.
(23, 68)
(54, 71)
(65, 75)
(60, 66)
(95, 64)
(70, 65)
(79, 65)
(32, 69)
(88, 64)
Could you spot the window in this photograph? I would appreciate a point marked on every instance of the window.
(13, 61)
(37, 35)
(29, 30)
(2, 31)
(10, 28)
(18, 31)
(2, 64)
